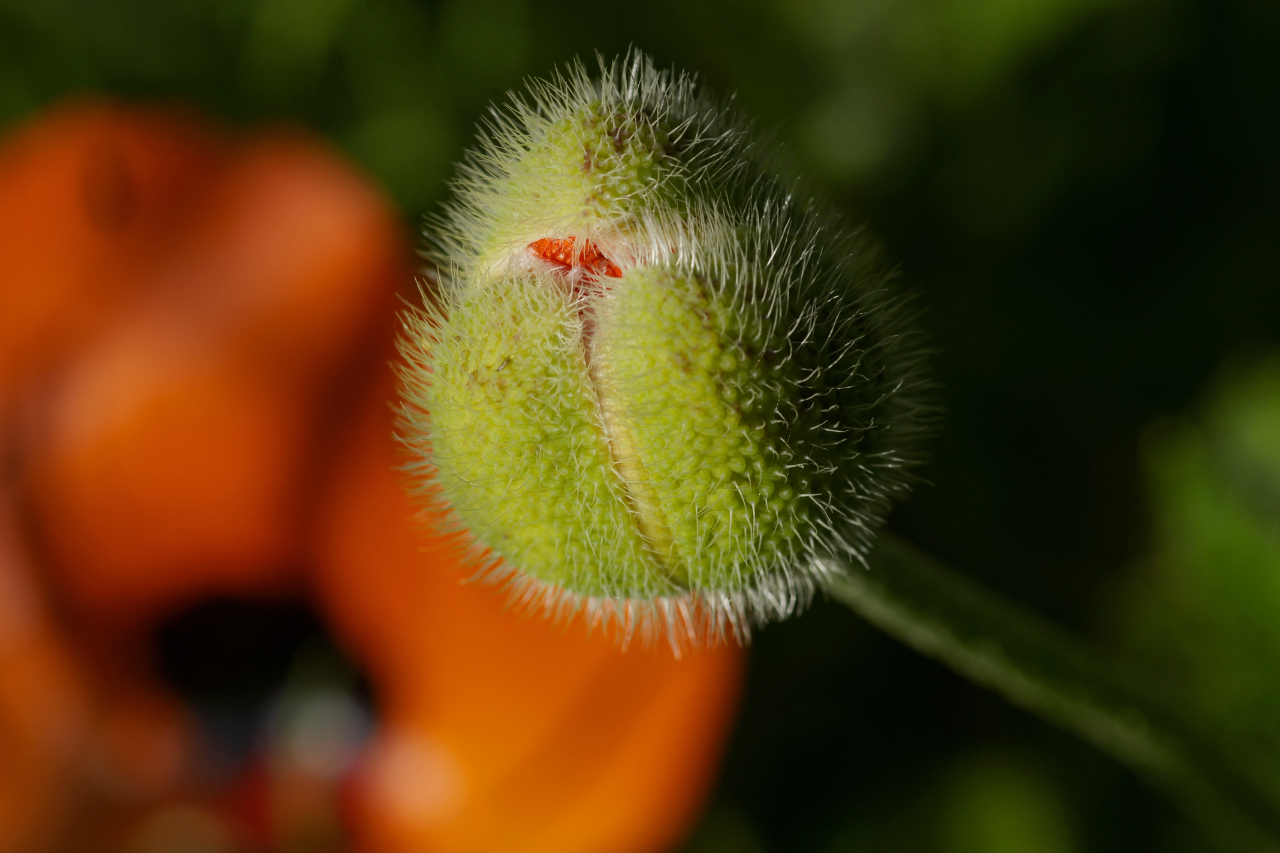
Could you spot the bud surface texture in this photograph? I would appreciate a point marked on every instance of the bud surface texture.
(660, 384)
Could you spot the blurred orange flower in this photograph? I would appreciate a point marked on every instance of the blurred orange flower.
(194, 336)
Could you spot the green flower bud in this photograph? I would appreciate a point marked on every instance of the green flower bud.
(661, 384)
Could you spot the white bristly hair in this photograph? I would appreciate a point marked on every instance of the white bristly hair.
(719, 209)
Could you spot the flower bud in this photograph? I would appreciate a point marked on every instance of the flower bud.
(660, 384)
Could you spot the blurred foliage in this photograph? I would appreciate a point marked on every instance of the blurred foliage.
(985, 802)
(1204, 603)
(1081, 194)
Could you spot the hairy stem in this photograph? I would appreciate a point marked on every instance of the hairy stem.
(1037, 667)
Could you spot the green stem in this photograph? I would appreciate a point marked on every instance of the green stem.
(1039, 668)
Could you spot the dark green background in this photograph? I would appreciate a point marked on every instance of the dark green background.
(1083, 196)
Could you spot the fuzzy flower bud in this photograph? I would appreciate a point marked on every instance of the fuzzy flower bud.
(661, 384)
